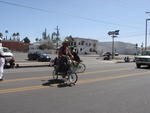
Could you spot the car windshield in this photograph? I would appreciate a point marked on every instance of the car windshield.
(6, 50)
(146, 53)
(40, 52)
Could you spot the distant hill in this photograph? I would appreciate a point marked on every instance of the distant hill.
(119, 47)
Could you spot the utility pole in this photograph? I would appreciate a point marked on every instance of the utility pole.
(113, 34)
(146, 34)
(146, 31)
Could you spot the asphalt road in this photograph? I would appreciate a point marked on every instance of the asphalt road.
(105, 87)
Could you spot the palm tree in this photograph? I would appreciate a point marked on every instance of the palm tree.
(17, 34)
(36, 39)
(6, 31)
(14, 36)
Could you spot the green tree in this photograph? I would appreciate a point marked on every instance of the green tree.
(36, 39)
(18, 38)
(14, 36)
(26, 40)
(1, 35)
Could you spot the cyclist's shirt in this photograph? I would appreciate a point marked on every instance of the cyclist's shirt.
(62, 60)
(76, 57)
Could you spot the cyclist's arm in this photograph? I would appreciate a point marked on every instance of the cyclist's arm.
(69, 53)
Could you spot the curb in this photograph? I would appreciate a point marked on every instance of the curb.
(27, 66)
(123, 62)
(31, 64)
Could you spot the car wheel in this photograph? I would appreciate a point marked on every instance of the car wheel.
(138, 65)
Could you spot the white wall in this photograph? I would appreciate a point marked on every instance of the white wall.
(85, 45)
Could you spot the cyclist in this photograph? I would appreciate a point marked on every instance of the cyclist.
(62, 60)
(77, 65)
(75, 55)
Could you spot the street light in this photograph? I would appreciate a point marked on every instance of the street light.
(113, 35)
(146, 33)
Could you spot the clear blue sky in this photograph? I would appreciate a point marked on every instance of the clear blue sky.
(79, 18)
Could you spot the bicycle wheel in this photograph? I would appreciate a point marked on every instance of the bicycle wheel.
(55, 76)
(81, 68)
(72, 78)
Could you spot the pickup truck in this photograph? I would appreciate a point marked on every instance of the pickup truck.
(143, 59)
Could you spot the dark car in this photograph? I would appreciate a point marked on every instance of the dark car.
(40, 56)
(116, 54)
(44, 58)
(107, 54)
(34, 56)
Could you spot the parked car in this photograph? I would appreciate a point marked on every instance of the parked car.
(116, 54)
(34, 56)
(106, 57)
(107, 54)
(44, 57)
(39, 56)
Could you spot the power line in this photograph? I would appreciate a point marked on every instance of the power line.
(147, 12)
(132, 36)
(24, 6)
(66, 14)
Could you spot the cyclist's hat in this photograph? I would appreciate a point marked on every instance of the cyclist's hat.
(66, 41)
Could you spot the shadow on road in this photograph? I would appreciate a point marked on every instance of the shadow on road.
(144, 67)
(59, 82)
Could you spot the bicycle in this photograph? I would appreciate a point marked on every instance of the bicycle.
(69, 76)
(79, 67)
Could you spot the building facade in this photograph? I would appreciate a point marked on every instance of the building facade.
(83, 45)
